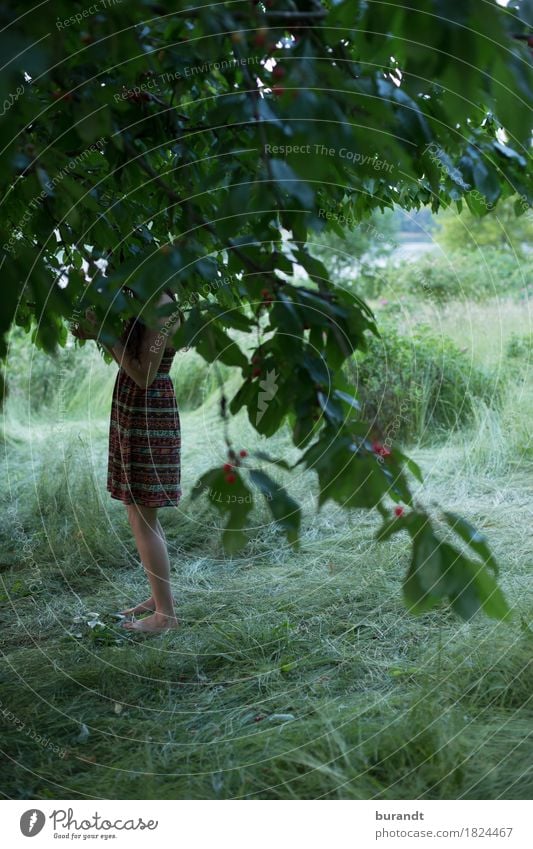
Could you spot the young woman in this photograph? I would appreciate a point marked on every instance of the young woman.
(145, 450)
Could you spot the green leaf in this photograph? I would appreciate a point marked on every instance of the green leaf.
(233, 540)
(418, 600)
(232, 499)
(291, 184)
(332, 411)
(414, 468)
(509, 153)
(285, 510)
(487, 180)
(285, 316)
(470, 586)
(348, 399)
(262, 455)
(474, 538)
(389, 527)
(215, 345)
(409, 463)
(428, 562)
(318, 272)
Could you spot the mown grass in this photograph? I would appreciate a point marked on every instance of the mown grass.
(294, 674)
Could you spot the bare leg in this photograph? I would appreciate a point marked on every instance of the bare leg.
(147, 606)
(154, 556)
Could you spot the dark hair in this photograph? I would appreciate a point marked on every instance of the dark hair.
(134, 327)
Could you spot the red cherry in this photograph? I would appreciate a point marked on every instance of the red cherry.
(260, 37)
(278, 90)
(227, 467)
(399, 511)
(230, 478)
(256, 372)
(279, 72)
(243, 453)
(265, 293)
(379, 448)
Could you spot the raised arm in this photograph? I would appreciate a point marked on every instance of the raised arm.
(143, 370)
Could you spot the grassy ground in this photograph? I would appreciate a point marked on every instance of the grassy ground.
(294, 675)
(484, 329)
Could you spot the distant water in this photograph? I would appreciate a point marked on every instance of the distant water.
(413, 250)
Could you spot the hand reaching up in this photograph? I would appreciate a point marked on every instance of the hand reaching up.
(85, 329)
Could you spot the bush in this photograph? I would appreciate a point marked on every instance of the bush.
(362, 243)
(71, 382)
(501, 228)
(195, 379)
(520, 346)
(465, 275)
(413, 385)
(30, 375)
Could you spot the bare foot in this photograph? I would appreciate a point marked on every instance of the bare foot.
(147, 606)
(153, 624)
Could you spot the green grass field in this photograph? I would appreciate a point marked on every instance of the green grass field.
(293, 675)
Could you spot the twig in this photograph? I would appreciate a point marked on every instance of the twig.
(318, 14)
(147, 168)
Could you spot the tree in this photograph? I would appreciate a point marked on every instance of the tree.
(175, 147)
(361, 244)
(502, 229)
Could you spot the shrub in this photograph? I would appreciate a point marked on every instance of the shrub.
(501, 228)
(73, 381)
(467, 275)
(520, 346)
(362, 242)
(412, 385)
(195, 379)
(30, 375)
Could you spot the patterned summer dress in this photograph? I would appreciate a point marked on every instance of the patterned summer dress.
(145, 440)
